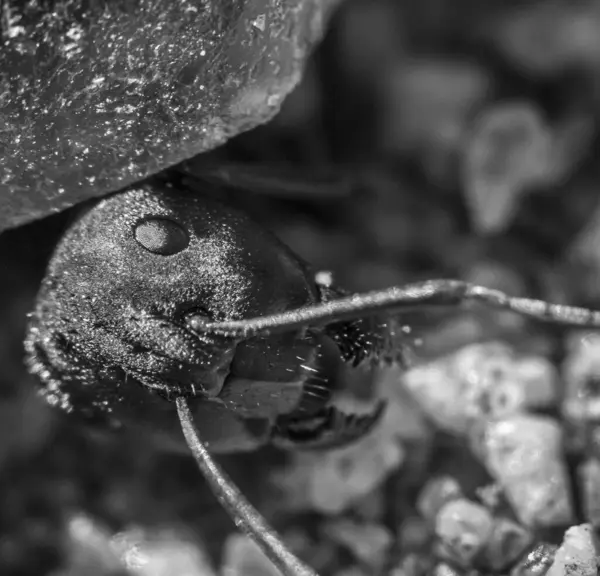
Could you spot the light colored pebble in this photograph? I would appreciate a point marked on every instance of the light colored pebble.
(464, 528)
(524, 455)
(161, 552)
(480, 381)
(89, 549)
(435, 494)
(537, 562)
(507, 151)
(580, 369)
(577, 556)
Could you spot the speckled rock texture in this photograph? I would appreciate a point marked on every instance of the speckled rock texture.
(97, 95)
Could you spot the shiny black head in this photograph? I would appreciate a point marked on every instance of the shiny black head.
(113, 329)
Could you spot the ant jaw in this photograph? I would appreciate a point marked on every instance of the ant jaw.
(327, 429)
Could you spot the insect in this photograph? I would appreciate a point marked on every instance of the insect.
(156, 296)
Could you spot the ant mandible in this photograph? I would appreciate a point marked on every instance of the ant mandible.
(158, 295)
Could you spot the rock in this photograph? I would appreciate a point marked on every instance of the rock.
(508, 151)
(97, 96)
(581, 370)
(435, 494)
(90, 550)
(537, 562)
(464, 529)
(161, 552)
(524, 455)
(480, 381)
(577, 556)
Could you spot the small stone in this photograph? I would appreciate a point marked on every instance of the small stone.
(507, 543)
(577, 555)
(480, 381)
(90, 550)
(464, 528)
(367, 542)
(162, 552)
(508, 151)
(436, 493)
(581, 372)
(524, 455)
(537, 562)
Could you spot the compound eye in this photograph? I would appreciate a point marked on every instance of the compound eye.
(161, 236)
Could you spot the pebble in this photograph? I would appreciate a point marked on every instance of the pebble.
(577, 555)
(537, 562)
(524, 455)
(161, 552)
(464, 529)
(581, 373)
(478, 382)
(435, 494)
(507, 152)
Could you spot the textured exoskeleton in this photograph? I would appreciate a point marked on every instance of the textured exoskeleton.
(113, 335)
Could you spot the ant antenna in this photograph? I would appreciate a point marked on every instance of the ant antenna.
(411, 296)
(244, 515)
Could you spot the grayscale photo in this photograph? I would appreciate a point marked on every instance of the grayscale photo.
(299, 288)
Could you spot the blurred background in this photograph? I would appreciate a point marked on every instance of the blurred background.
(427, 139)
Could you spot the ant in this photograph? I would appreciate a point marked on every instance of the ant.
(158, 296)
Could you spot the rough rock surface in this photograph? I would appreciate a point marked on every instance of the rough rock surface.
(95, 96)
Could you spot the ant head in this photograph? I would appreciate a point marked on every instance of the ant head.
(132, 283)
(157, 249)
